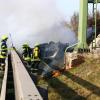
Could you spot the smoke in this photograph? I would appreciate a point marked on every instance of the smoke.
(57, 33)
(32, 21)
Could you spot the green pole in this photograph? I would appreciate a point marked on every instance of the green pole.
(82, 32)
(96, 22)
(93, 19)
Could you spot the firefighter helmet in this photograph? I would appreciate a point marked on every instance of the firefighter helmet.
(25, 45)
(36, 48)
(4, 37)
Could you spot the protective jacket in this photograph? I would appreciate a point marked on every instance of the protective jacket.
(36, 53)
(26, 53)
(4, 51)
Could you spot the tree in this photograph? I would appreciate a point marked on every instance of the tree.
(91, 22)
(74, 22)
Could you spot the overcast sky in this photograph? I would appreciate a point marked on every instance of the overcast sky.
(68, 7)
(24, 18)
(28, 20)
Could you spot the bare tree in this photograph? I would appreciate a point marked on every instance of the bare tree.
(91, 22)
(74, 22)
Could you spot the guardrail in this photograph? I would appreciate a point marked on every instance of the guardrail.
(25, 88)
(4, 83)
(73, 45)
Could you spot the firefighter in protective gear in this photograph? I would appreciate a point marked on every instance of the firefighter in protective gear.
(4, 51)
(26, 53)
(36, 57)
(36, 53)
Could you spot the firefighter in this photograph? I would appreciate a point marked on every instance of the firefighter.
(36, 58)
(26, 53)
(4, 51)
(36, 53)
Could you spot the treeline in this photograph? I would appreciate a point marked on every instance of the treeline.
(73, 24)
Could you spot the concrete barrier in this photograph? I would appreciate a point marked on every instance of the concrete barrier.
(25, 88)
(4, 83)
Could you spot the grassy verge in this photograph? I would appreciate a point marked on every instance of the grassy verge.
(80, 83)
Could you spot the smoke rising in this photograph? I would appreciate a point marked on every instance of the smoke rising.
(56, 33)
(33, 21)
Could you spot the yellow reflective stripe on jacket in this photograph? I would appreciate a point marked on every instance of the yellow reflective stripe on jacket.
(3, 52)
(7, 49)
(3, 49)
(37, 59)
(3, 46)
(2, 56)
(27, 58)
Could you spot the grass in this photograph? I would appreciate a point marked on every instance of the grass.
(79, 83)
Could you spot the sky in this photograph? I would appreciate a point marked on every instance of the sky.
(39, 21)
(68, 7)
(34, 21)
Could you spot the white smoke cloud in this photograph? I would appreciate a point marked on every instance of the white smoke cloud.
(56, 33)
(30, 20)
